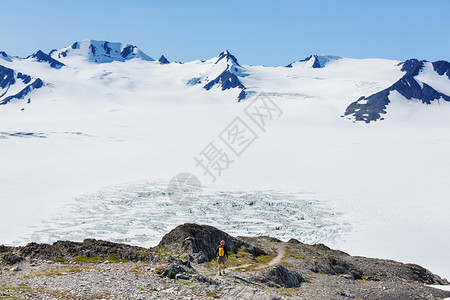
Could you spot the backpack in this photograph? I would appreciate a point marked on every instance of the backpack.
(221, 251)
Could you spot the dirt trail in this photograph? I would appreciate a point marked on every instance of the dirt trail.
(237, 267)
(276, 260)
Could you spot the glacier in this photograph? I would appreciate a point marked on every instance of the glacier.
(102, 137)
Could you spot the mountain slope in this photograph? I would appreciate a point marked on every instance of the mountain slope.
(411, 86)
(115, 123)
(182, 266)
(16, 85)
(163, 60)
(225, 74)
(100, 51)
(43, 57)
(5, 56)
(313, 61)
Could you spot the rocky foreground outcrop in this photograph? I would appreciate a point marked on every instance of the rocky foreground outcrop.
(200, 241)
(182, 266)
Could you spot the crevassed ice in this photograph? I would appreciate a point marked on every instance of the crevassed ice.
(141, 213)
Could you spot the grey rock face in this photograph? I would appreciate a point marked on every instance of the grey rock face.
(279, 276)
(292, 270)
(69, 250)
(174, 271)
(201, 242)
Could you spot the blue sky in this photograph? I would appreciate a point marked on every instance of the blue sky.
(256, 32)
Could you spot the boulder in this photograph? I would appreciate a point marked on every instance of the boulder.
(334, 265)
(173, 271)
(10, 258)
(3, 248)
(279, 276)
(201, 241)
(382, 269)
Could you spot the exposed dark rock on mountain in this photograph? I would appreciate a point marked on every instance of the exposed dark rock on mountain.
(101, 51)
(228, 57)
(5, 56)
(371, 108)
(9, 77)
(441, 67)
(314, 61)
(228, 78)
(242, 95)
(163, 60)
(42, 57)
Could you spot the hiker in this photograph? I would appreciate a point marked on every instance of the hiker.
(221, 251)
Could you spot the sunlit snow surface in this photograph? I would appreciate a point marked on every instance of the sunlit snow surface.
(98, 136)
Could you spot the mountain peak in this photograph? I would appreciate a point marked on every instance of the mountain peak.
(441, 67)
(225, 73)
(5, 56)
(43, 57)
(163, 60)
(409, 64)
(228, 57)
(101, 51)
(314, 61)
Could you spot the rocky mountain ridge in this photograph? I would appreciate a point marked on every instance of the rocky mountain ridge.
(183, 266)
(422, 81)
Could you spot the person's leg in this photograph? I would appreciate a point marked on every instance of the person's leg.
(221, 261)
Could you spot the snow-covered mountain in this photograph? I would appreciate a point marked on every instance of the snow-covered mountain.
(225, 73)
(163, 60)
(16, 85)
(100, 51)
(5, 56)
(423, 82)
(420, 80)
(43, 57)
(314, 61)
